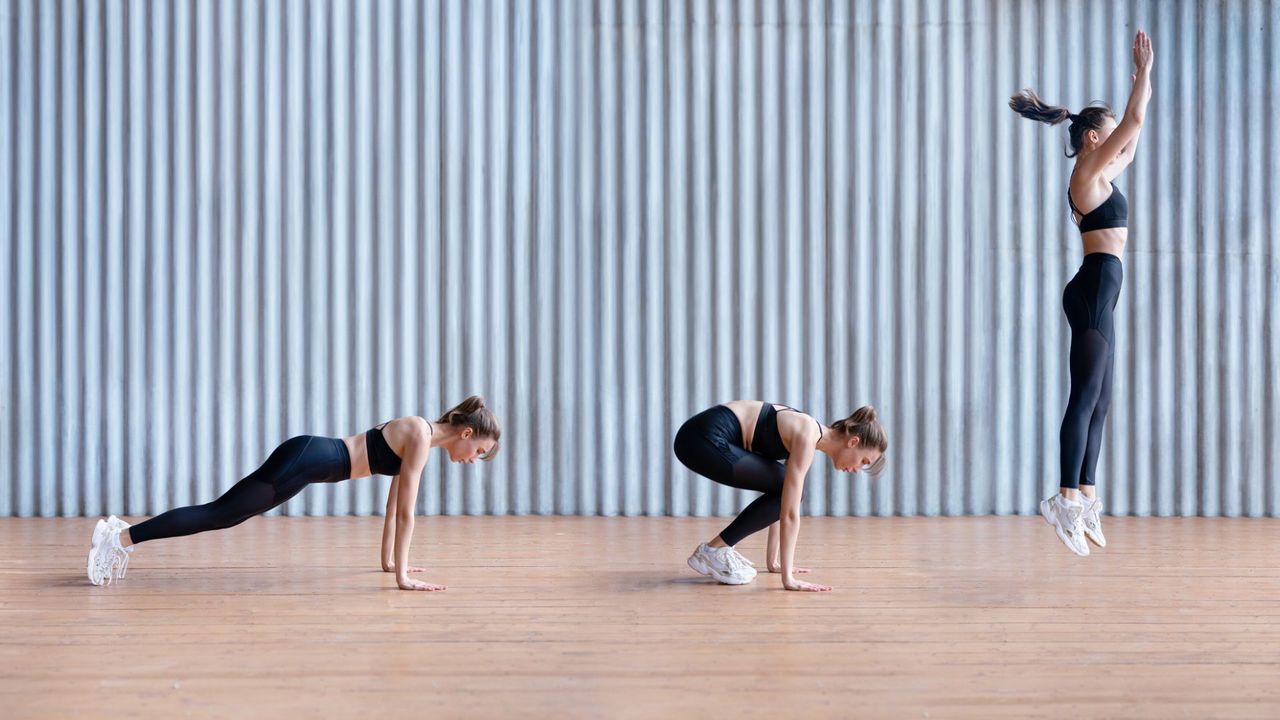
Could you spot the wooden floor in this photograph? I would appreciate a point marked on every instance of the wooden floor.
(600, 618)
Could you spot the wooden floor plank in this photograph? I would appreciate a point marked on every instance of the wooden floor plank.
(600, 617)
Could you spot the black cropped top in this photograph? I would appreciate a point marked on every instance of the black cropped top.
(382, 459)
(1112, 213)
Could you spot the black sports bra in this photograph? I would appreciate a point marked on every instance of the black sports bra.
(1112, 213)
(382, 459)
(767, 440)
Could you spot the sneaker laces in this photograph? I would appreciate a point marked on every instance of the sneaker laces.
(119, 563)
(1070, 517)
(742, 558)
(122, 558)
(732, 559)
(122, 553)
(1093, 518)
(1076, 517)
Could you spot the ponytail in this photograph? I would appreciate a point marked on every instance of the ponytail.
(1029, 105)
(472, 413)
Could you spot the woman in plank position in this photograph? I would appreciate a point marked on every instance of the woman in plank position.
(400, 447)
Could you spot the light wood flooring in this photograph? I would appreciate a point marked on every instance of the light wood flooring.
(601, 618)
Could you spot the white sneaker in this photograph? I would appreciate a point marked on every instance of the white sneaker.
(106, 558)
(95, 569)
(119, 525)
(1064, 516)
(722, 564)
(1091, 518)
(743, 558)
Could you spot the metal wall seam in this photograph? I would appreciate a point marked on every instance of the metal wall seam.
(224, 224)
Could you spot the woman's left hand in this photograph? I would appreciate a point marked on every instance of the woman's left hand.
(411, 584)
(802, 586)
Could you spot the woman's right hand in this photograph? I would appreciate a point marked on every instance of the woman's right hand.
(1142, 53)
(802, 586)
(407, 583)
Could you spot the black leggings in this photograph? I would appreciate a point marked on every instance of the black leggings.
(291, 467)
(1089, 302)
(710, 444)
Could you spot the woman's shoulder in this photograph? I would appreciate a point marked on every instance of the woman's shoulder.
(407, 427)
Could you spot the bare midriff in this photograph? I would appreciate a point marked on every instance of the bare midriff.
(1110, 241)
(359, 455)
(748, 411)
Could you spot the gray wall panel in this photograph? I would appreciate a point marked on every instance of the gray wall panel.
(225, 223)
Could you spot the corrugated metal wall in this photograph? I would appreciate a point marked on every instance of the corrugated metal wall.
(228, 222)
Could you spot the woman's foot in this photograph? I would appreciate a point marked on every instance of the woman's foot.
(723, 564)
(108, 561)
(1091, 519)
(1065, 517)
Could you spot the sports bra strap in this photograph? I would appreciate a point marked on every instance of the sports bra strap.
(815, 420)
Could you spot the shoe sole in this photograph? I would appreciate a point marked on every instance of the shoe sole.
(1057, 529)
(703, 569)
(99, 534)
(730, 580)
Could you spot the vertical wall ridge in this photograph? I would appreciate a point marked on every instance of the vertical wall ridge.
(223, 224)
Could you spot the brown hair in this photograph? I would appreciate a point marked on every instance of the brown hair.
(472, 413)
(863, 425)
(1029, 105)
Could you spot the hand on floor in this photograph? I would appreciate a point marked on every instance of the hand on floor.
(805, 586)
(411, 584)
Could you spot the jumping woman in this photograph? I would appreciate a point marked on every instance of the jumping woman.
(768, 448)
(468, 432)
(1102, 148)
